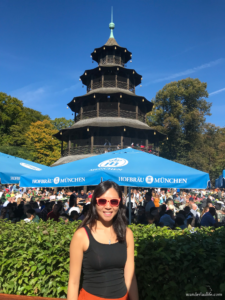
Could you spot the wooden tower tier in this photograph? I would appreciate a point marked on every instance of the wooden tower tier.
(110, 115)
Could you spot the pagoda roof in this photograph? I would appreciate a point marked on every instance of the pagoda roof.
(146, 105)
(110, 122)
(110, 45)
(111, 42)
(85, 77)
(70, 158)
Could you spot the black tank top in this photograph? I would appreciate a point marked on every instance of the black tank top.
(103, 268)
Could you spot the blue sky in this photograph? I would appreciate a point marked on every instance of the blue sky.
(46, 46)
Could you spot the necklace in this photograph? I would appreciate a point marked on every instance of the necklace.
(110, 239)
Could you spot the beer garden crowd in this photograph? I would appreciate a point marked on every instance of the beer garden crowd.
(163, 207)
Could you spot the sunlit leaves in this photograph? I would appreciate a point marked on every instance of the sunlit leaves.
(169, 263)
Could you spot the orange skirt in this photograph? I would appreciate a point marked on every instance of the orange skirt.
(86, 296)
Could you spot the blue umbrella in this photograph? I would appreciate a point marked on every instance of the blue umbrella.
(220, 182)
(127, 167)
(11, 168)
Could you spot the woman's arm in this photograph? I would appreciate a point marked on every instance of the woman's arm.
(76, 256)
(129, 272)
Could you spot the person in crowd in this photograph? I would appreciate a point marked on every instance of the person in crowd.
(195, 211)
(88, 199)
(141, 215)
(208, 218)
(82, 195)
(59, 195)
(35, 206)
(133, 201)
(181, 214)
(170, 205)
(42, 204)
(205, 210)
(31, 216)
(84, 212)
(156, 200)
(154, 211)
(162, 210)
(150, 203)
(54, 214)
(176, 197)
(73, 206)
(150, 219)
(19, 211)
(64, 217)
(168, 219)
(104, 234)
(45, 211)
(73, 216)
(3, 214)
(26, 207)
(9, 200)
(136, 196)
(179, 222)
(52, 197)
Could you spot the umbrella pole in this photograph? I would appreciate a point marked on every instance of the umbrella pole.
(129, 206)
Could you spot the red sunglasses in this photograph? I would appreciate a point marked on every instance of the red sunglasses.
(113, 202)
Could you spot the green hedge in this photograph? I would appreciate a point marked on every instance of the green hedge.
(34, 260)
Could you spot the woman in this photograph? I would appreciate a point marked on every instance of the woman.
(104, 247)
(73, 204)
(205, 210)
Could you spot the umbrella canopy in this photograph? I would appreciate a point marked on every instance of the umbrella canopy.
(127, 167)
(220, 182)
(11, 168)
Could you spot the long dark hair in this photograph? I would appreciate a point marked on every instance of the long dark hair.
(119, 220)
(73, 200)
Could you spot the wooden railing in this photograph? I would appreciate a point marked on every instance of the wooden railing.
(111, 84)
(111, 113)
(111, 60)
(100, 149)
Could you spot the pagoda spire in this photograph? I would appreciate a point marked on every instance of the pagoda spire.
(111, 25)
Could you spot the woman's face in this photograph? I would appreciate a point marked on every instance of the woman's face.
(107, 213)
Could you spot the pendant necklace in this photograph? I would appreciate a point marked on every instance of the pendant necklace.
(110, 240)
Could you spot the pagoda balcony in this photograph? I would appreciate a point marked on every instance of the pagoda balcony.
(100, 149)
(111, 113)
(111, 84)
(111, 60)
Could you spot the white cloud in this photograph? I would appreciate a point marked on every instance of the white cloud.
(71, 88)
(190, 71)
(29, 94)
(217, 92)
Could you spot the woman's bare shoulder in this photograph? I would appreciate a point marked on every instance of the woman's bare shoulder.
(79, 238)
(129, 234)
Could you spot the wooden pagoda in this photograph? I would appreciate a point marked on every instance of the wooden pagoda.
(110, 115)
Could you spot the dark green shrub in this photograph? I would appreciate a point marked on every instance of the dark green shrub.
(34, 260)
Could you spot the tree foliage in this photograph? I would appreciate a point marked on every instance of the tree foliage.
(26, 133)
(62, 123)
(35, 260)
(15, 120)
(45, 148)
(179, 112)
(180, 109)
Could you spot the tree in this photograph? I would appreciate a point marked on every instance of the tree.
(15, 120)
(62, 123)
(212, 150)
(17, 151)
(179, 112)
(45, 148)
